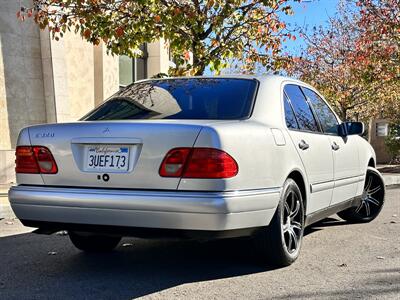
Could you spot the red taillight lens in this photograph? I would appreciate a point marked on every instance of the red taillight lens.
(174, 162)
(34, 160)
(198, 163)
(210, 163)
(25, 161)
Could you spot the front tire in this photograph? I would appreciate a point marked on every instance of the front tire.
(94, 242)
(279, 244)
(372, 200)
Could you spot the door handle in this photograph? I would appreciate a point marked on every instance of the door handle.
(303, 145)
(335, 146)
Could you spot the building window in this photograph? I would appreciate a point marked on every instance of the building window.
(133, 69)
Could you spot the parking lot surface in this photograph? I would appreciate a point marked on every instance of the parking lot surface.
(338, 261)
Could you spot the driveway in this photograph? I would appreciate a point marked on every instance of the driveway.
(338, 261)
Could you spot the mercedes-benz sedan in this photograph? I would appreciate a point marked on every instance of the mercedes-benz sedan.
(202, 157)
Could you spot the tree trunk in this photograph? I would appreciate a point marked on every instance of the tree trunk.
(197, 63)
(343, 114)
(200, 69)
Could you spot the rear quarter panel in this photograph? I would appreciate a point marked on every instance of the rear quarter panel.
(366, 152)
(262, 163)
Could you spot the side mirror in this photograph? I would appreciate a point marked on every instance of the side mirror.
(351, 128)
(342, 130)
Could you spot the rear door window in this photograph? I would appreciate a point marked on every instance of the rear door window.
(192, 98)
(326, 117)
(301, 107)
(290, 118)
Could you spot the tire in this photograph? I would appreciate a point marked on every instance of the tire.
(372, 200)
(279, 244)
(94, 242)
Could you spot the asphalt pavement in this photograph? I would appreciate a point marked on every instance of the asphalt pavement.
(338, 261)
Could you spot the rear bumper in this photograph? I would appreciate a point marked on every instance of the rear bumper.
(209, 211)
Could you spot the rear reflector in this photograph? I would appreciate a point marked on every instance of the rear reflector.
(34, 160)
(198, 163)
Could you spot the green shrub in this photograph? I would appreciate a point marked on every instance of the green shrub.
(392, 142)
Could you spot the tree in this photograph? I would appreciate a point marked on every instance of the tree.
(378, 54)
(327, 64)
(212, 31)
(392, 142)
(354, 60)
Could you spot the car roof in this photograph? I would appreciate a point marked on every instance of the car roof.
(261, 78)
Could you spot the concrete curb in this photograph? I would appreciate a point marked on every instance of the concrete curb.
(6, 212)
(391, 179)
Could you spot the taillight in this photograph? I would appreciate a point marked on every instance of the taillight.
(210, 163)
(34, 160)
(174, 162)
(198, 163)
(25, 160)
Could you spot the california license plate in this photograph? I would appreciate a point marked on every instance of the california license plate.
(107, 158)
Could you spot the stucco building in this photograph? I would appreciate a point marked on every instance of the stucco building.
(43, 81)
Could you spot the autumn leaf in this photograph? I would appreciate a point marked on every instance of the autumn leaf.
(157, 18)
(87, 33)
(187, 55)
(119, 32)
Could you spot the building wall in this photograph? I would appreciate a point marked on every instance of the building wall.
(46, 81)
(79, 63)
(106, 74)
(377, 140)
(21, 82)
(158, 58)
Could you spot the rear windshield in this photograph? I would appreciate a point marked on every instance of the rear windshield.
(194, 98)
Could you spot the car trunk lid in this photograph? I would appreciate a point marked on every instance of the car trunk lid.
(144, 144)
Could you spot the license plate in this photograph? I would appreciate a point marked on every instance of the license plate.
(107, 158)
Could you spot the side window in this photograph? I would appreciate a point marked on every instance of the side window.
(327, 119)
(302, 110)
(291, 121)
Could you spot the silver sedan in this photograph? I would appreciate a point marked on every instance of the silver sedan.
(202, 157)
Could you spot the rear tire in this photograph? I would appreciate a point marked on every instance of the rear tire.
(94, 242)
(372, 200)
(279, 244)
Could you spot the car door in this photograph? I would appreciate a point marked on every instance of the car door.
(313, 147)
(345, 150)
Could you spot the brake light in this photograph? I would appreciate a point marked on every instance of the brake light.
(198, 163)
(34, 160)
(174, 162)
(25, 160)
(210, 163)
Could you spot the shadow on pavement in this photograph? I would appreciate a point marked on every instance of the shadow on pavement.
(144, 268)
(328, 222)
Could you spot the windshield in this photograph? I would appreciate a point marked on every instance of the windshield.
(192, 98)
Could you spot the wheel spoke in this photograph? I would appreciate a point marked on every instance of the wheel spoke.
(360, 207)
(287, 208)
(289, 245)
(367, 208)
(296, 225)
(294, 238)
(294, 212)
(292, 201)
(374, 190)
(285, 228)
(368, 185)
(373, 201)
